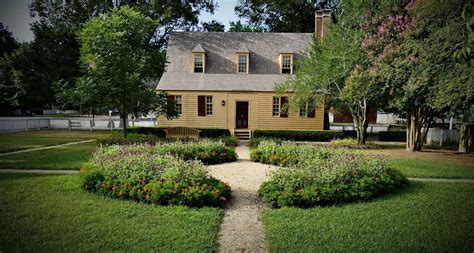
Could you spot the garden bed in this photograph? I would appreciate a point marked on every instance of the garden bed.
(323, 176)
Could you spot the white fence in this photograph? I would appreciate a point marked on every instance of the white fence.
(442, 137)
(16, 124)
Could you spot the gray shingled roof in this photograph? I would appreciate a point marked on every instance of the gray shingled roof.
(221, 48)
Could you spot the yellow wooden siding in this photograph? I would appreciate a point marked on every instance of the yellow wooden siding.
(260, 112)
(190, 118)
(293, 122)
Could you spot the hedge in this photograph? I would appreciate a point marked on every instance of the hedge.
(160, 131)
(326, 135)
(393, 136)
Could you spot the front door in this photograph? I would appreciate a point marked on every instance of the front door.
(242, 115)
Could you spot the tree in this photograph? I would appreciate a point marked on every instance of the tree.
(338, 71)
(116, 48)
(239, 27)
(422, 76)
(7, 85)
(213, 26)
(282, 15)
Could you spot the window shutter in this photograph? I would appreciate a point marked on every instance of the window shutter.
(284, 107)
(201, 105)
(311, 108)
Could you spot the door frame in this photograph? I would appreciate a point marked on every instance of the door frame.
(248, 113)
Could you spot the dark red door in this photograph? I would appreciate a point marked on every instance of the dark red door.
(242, 115)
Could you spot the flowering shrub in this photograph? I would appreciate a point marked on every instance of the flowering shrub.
(152, 178)
(206, 151)
(323, 176)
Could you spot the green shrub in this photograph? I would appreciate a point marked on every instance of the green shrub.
(254, 141)
(206, 151)
(315, 175)
(393, 136)
(230, 141)
(156, 131)
(348, 143)
(325, 135)
(132, 138)
(151, 178)
(213, 132)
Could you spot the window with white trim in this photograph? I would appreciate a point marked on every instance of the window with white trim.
(243, 63)
(178, 100)
(276, 106)
(208, 105)
(287, 64)
(198, 62)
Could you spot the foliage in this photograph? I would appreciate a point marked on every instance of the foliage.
(324, 176)
(213, 26)
(68, 218)
(230, 141)
(239, 27)
(213, 132)
(303, 135)
(116, 50)
(255, 141)
(423, 217)
(152, 177)
(393, 136)
(347, 143)
(7, 85)
(156, 131)
(280, 15)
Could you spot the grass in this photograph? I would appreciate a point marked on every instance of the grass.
(34, 139)
(430, 169)
(66, 158)
(51, 213)
(423, 218)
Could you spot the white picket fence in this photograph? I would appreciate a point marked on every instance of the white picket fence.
(442, 137)
(17, 124)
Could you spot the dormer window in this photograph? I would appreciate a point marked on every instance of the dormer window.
(243, 63)
(198, 62)
(286, 63)
(199, 59)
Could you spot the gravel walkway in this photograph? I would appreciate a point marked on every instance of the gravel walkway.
(242, 230)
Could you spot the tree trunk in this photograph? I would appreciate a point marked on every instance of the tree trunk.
(417, 120)
(124, 124)
(466, 141)
(360, 117)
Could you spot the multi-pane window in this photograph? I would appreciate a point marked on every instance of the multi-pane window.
(208, 105)
(243, 63)
(286, 63)
(276, 106)
(199, 63)
(303, 110)
(178, 100)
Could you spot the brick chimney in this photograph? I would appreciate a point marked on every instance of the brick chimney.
(321, 22)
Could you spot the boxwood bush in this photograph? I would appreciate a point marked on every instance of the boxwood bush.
(325, 135)
(132, 174)
(318, 176)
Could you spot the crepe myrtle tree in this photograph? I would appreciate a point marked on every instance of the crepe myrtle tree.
(117, 53)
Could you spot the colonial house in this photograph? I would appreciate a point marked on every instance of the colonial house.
(227, 80)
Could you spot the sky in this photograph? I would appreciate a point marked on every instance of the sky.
(14, 14)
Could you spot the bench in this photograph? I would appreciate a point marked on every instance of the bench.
(182, 132)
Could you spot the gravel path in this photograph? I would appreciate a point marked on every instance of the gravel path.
(242, 230)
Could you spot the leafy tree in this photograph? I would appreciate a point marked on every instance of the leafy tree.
(213, 26)
(116, 49)
(281, 15)
(338, 70)
(422, 76)
(7, 86)
(239, 27)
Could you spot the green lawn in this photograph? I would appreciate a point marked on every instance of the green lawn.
(68, 157)
(429, 169)
(52, 213)
(425, 217)
(34, 139)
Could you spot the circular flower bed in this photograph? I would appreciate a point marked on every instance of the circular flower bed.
(137, 173)
(323, 176)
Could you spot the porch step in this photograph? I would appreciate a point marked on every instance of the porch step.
(242, 134)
